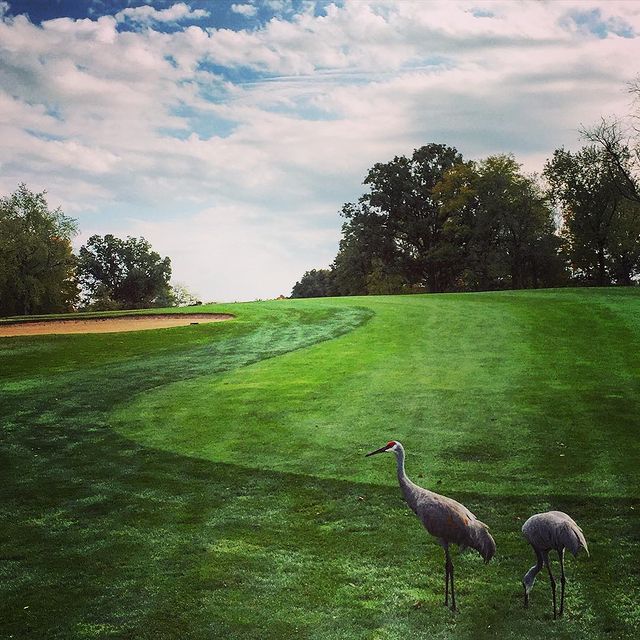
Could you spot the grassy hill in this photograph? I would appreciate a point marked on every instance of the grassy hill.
(210, 481)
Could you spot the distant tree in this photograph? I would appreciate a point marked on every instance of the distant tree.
(123, 273)
(367, 246)
(499, 230)
(624, 244)
(401, 191)
(586, 185)
(618, 143)
(316, 283)
(182, 297)
(468, 241)
(621, 151)
(36, 258)
(619, 140)
(433, 222)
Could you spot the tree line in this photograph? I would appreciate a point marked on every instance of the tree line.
(434, 222)
(40, 273)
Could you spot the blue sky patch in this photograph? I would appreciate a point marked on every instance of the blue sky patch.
(477, 12)
(592, 22)
(221, 15)
(43, 135)
(235, 75)
(205, 125)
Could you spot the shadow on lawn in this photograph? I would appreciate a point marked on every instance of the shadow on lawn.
(107, 537)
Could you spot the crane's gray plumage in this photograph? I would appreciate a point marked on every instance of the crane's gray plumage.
(445, 519)
(552, 530)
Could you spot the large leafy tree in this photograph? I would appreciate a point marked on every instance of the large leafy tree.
(36, 259)
(118, 273)
(526, 245)
(624, 244)
(586, 185)
(316, 283)
(367, 255)
(499, 230)
(401, 192)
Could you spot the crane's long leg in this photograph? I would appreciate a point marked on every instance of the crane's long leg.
(449, 576)
(562, 580)
(453, 593)
(446, 576)
(553, 584)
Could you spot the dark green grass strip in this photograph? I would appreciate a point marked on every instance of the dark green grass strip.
(159, 546)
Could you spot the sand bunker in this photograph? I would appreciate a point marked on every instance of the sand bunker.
(109, 325)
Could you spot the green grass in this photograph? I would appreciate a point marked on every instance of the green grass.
(209, 481)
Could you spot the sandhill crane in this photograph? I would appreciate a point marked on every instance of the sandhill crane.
(546, 531)
(449, 521)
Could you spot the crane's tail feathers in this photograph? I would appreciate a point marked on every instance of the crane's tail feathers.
(482, 541)
(574, 539)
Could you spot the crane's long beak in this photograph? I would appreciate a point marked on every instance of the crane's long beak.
(380, 450)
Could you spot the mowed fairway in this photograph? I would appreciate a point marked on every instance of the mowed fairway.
(210, 481)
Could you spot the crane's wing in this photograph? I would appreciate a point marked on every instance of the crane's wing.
(452, 522)
(554, 530)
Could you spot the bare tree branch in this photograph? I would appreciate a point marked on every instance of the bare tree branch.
(621, 151)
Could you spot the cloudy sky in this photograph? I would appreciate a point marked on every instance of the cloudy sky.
(229, 134)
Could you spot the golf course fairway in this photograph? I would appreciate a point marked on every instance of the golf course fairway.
(209, 481)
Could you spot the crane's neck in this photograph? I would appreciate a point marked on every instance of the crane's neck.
(402, 474)
(408, 488)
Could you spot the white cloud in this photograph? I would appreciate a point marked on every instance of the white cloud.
(247, 10)
(242, 171)
(146, 14)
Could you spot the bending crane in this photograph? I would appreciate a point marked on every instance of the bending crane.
(546, 531)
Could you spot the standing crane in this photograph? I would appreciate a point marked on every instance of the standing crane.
(445, 519)
(546, 531)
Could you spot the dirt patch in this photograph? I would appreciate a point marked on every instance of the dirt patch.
(109, 325)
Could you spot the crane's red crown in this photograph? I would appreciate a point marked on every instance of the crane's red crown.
(391, 443)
